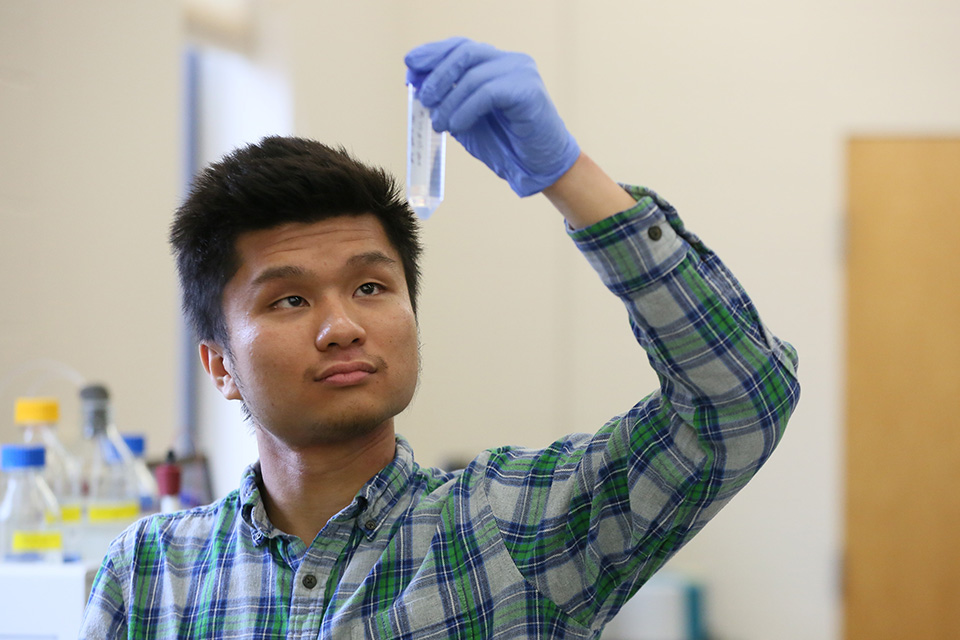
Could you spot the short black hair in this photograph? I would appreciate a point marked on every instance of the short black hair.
(266, 184)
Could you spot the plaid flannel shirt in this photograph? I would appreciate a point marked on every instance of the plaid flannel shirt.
(522, 543)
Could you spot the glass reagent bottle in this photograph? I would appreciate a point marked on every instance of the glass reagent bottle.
(38, 417)
(111, 495)
(29, 513)
(146, 483)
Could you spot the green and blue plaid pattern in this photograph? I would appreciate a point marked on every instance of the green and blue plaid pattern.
(522, 543)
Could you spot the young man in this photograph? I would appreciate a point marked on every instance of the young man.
(299, 272)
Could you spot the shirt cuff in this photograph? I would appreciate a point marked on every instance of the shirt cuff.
(636, 247)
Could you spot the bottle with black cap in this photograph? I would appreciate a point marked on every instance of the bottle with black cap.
(110, 489)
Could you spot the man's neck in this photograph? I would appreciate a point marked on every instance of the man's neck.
(303, 488)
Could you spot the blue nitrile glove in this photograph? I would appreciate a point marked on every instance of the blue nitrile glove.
(495, 104)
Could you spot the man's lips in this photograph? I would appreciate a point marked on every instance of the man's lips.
(345, 374)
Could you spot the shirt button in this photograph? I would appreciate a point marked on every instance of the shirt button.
(309, 581)
(654, 233)
(370, 525)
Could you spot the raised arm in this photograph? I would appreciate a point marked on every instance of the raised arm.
(590, 518)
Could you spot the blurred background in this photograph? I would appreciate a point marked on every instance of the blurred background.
(741, 114)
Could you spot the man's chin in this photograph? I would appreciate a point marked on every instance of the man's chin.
(332, 433)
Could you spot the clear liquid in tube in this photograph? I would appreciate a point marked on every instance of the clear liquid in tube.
(426, 159)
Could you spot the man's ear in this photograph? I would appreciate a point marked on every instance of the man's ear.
(212, 358)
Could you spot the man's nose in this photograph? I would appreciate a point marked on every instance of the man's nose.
(339, 327)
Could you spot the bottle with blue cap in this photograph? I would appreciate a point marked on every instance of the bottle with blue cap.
(30, 527)
(146, 483)
(111, 498)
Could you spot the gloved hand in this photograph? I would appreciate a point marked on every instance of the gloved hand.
(495, 104)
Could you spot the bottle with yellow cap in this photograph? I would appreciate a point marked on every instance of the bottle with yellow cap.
(29, 513)
(39, 417)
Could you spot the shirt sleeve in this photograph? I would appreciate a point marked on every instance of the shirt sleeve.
(591, 518)
(105, 613)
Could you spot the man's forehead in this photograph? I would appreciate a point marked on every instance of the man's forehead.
(289, 250)
(340, 235)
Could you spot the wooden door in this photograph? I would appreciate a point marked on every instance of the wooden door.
(902, 574)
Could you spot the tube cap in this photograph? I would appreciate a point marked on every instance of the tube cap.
(22, 456)
(137, 443)
(29, 411)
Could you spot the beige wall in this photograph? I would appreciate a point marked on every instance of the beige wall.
(737, 112)
(89, 172)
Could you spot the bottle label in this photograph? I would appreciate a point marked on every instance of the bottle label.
(70, 513)
(113, 512)
(36, 541)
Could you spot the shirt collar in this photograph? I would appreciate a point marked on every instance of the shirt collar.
(383, 490)
(252, 509)
(371, 506)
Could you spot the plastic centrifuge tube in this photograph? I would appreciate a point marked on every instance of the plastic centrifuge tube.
(426, 158)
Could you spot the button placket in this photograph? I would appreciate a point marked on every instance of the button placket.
(310, 595)
(307, 598)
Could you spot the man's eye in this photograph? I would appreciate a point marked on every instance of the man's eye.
(369, 289)
(290, 302)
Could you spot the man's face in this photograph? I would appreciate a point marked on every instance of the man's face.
(323, 339)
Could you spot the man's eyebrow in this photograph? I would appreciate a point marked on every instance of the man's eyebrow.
(287, 272)
(370, 258)
(284, 272)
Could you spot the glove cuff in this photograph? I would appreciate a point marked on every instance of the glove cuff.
(525, 184)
